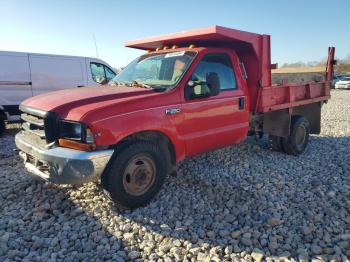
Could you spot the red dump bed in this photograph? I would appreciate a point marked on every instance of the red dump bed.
(254, 51)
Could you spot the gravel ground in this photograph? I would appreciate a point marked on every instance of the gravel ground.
(238, 203)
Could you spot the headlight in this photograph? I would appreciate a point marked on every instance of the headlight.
(75, 131)
(71, 130)
(76, 136)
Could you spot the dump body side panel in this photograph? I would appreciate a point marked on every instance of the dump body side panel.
(288, 96)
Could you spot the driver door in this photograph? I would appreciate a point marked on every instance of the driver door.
(213, 121)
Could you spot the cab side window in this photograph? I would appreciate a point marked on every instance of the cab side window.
(101, 73)
(219, 63)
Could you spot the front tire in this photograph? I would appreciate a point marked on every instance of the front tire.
(298, 139)
(136, 174)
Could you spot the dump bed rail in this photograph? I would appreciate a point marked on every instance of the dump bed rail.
(291, 95)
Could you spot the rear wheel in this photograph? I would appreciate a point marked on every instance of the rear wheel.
(136, 174)
(298, 139)
(2, 126)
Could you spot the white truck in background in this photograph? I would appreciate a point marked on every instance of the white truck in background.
(343, 83)
(23, 75)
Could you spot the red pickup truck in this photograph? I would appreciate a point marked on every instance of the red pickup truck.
(191, 92)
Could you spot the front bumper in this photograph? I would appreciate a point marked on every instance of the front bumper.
(62, 165)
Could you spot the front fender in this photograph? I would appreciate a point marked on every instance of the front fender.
(111, 130)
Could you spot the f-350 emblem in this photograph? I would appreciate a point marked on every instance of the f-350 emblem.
(172, 111)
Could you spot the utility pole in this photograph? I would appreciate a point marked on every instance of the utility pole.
(93, 35)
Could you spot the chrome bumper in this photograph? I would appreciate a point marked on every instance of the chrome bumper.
(62, 165)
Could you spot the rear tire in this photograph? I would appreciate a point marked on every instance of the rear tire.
(298, 139)
(2, 126)
(136, 174)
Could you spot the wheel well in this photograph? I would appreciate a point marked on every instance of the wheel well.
(154, 136)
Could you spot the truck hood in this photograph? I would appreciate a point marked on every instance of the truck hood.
(74, 103)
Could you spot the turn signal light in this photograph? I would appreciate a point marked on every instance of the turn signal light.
(76, 145)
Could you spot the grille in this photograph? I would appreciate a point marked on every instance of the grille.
(33, 124)
(39, 124)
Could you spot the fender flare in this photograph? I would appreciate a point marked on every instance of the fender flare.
(178, 144)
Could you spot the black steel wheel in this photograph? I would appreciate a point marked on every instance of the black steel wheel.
(298, 139)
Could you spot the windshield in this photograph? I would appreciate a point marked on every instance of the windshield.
(163, 70)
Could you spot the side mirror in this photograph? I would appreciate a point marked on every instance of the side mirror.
(213, 82)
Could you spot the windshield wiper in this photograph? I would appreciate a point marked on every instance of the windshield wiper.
(130, 84)
(135, 83)
(115, 83)
(139, 84)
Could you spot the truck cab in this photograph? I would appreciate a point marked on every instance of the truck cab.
(202, 91)
(190, 92)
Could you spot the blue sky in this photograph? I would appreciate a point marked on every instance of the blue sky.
(300, 30)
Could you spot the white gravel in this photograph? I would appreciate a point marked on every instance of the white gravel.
(239, 203)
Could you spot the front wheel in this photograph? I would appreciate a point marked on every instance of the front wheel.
(298, 139)
(136, 174)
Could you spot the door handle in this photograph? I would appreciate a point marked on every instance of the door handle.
(80, 86)
(241, 103)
